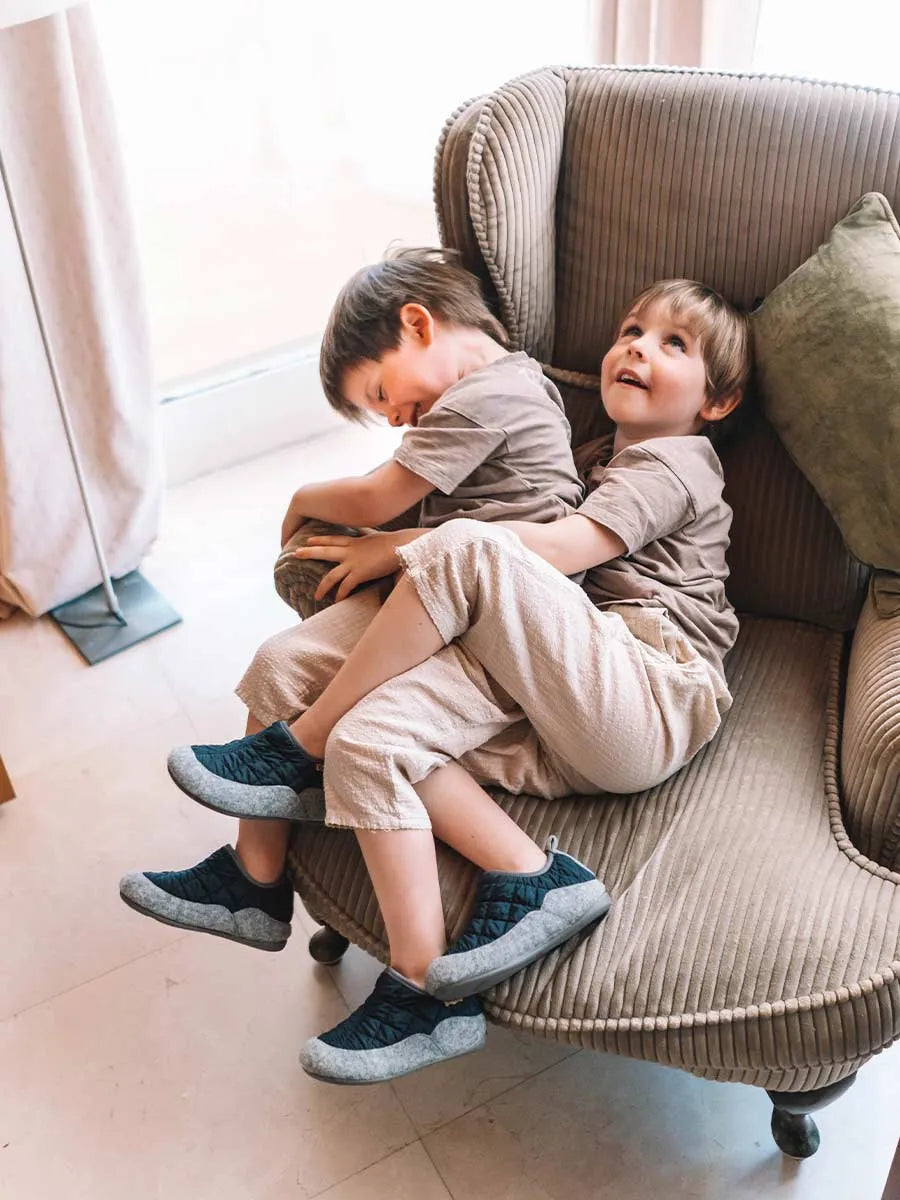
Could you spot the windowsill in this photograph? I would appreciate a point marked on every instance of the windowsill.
(238, 412)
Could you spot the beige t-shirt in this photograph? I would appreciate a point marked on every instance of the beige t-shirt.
(663, 497)
(496, 446)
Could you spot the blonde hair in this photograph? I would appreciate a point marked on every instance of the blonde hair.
(722, 331)
(365, 320)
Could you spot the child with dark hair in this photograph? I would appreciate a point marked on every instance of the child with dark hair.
(411, 340)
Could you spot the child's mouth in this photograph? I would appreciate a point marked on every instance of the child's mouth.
(631, 380)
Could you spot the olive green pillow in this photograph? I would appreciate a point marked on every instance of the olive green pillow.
(827, 345)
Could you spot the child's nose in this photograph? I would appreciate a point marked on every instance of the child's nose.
(394, 418)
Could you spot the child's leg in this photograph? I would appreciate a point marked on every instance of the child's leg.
(241, 895)
(626, 711)
(402, 1026)
(400, 636)
(466, 818)
(262, 845)
(629, 713)
(244, 896)
(403, 869)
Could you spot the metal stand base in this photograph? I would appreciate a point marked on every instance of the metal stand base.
(98, 634)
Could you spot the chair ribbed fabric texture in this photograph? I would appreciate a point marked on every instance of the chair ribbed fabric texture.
(747, 940)
(513, 212)
(734, 180)
(451, 200)
(787, 557)
(870, 747)
(755, 929)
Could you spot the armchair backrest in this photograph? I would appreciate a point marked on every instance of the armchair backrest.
(570, 189)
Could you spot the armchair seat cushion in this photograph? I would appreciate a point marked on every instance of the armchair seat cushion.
(748, 939)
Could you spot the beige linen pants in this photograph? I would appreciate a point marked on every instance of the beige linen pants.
(616, 701)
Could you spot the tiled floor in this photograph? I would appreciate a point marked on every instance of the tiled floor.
(139, 1062)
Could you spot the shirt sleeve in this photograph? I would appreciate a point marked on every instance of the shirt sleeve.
(640, 498)
(446, 447)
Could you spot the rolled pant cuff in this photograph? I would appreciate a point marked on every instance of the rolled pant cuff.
(427, 566)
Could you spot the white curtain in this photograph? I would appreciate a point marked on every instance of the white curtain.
(59, 146)
(719, 34)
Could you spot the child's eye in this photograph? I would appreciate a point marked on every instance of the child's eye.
(632, 331)
(677, 341)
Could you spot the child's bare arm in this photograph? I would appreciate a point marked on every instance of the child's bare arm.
(360, 501)
(571, 544)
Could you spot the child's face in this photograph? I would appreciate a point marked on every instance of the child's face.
(406, 382)
(653, 378)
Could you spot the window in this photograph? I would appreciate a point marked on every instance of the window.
(855, 44)
(274, 147)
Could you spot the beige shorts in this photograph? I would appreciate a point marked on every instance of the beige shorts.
(616, 700)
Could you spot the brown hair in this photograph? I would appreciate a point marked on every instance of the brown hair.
(722, 331)
(365, 320)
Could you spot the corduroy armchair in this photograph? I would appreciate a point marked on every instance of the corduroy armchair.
(755, 930)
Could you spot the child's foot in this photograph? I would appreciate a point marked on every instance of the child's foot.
(518, 918)
(398, 1029)
(264, 775)
(217, 896)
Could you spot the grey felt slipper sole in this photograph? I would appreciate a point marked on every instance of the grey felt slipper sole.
(564, 912)
(245, 800)
(453, 1037)
(250, 926)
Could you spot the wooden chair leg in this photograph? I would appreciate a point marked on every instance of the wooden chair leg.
(794, 1130)
(7, 791)
(327, 946)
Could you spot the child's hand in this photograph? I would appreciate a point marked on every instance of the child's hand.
(358, 560)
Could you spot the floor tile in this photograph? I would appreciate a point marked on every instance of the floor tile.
(438, 1096)
(407, 1175)
(443, 1093)
(218, 569)
(597, 1125)
(74, 829)
(53, 705)
(158, 1065)
(177, 1076)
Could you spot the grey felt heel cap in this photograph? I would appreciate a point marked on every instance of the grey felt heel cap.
(451, 1038)
(249, 926)
(242, 799)
(564, 912)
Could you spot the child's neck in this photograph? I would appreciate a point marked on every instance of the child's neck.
(474, 350)
(622, 439)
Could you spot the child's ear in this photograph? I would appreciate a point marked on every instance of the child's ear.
(717, 408)
(418, 323)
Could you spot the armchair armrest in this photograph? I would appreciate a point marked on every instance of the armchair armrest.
(870, 739)
(296, 579)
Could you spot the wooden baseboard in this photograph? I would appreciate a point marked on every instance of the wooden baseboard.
(7, 791)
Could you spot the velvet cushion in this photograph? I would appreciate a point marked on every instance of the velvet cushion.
(827, 343)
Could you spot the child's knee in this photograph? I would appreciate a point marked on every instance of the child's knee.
(343, 748)
(464, 532)
(465, 548)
